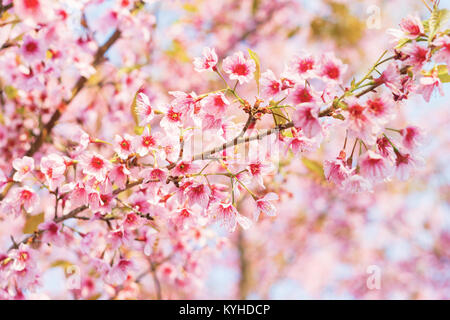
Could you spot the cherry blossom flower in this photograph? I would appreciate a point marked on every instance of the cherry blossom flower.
(20, 198)
(359, 121)
(52, 233)
(95, 165)
(53, 167)
(33, 11)
(198, 194)
(119, 175)
(23, 168)
(239, 68)
(405, 164)
(374, 167)
(207, 61)
(258, 169)
(215, 104)
(145, 143)
(264, 205)
(427, 84)
(336, 171)
(305, 117)
(302, 94)
(381, 107)
(32, 49)
(411, 137)
(271, 86)
(391, 77)
(22, 257)
(331, 68)
(143, 109)
(124, 146)
(356, 183)
(417, 55)
(411, 27)
(185, 167)
(304, 65)
(119, 272)
(229, 217)
(443, 55)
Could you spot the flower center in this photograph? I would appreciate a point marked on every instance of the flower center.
(240, 69)
(97, 163)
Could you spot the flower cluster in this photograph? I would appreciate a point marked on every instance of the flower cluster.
(151, 194)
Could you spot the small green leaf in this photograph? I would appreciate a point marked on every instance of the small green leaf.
(133, 109)
(257, 73)
(10, 92)
(443, 73)
(438, 18)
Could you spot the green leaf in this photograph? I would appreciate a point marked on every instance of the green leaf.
(314, 167)
(32, 223)
(438, 18)
(257, 73)
(133, 109)
(402, 42)
(443, 73)
(10, 92)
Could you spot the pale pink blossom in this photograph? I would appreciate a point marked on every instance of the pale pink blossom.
(443, 55)
(336, 171)
(143, 109)
(331, 68)
(359, 122)
(305, 117)
(417, 55)
(24, 167)
(123, 146)
(229, 217)
(52, 233)
(374, 167)
(427, 84)
(32, 49)
(270, 85)
(239, 68)
(145, 143)
(119, 273)
(264, 205)
(207, 61)
(53, 167)
(412, 137)
(198, 194)
(215, 104)
(94, 165)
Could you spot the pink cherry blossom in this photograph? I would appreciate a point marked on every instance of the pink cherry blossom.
(124, 146)
(143, 109)
(215, 104)
(331, 68)
(53, 167)
(239, 68)
(207, 61)
(264, 205)
(229, 217)
(374, 167)
(306, 118)
(24, 167)
(95, 165)
(443, 55)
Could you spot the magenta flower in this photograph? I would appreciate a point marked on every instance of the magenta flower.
(229, 217)
(374, 167)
